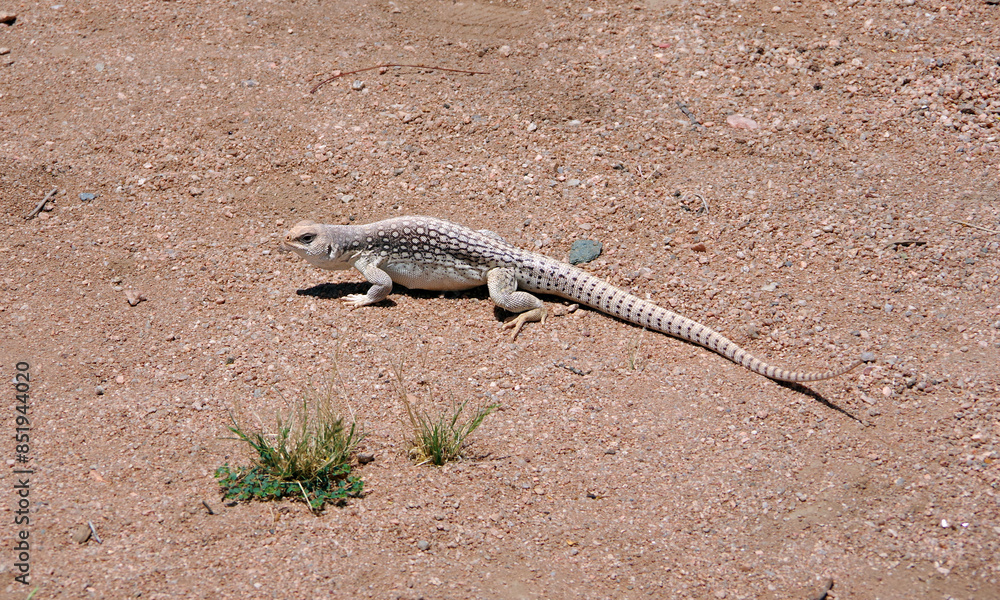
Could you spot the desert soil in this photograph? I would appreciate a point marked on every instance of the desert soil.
(816, 180)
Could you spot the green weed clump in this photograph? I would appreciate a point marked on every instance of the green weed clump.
(438, 439)
(307, 457)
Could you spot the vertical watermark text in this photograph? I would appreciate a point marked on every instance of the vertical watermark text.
(22, 472)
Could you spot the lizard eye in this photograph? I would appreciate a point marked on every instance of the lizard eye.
(307, 238)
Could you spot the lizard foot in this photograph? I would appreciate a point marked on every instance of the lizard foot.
(355, 300)
(535, 314)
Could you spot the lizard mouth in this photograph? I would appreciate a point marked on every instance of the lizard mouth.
(283, 247)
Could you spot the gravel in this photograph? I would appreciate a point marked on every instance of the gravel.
(877, 123)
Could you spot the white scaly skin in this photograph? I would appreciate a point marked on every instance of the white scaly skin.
(432, 254)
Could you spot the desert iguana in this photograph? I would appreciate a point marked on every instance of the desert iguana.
(432, 254)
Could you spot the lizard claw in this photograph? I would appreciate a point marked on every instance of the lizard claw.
(355, 300)
(535, 314)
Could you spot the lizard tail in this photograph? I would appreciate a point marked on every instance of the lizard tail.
(671, 323)
(593, 292)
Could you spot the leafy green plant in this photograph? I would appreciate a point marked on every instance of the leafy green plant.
(438, 439)
(307, 457)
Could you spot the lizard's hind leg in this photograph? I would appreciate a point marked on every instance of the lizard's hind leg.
(502, 284)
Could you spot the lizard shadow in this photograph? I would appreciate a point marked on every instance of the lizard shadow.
(333, 291)
(800, 388)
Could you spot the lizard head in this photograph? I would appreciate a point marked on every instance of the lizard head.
(316, 243)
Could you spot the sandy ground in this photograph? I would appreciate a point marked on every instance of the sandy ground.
(848, 157)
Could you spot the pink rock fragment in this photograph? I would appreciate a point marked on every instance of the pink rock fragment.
(741, 122)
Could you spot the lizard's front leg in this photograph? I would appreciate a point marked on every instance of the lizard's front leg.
(502, 284)
(370, 265)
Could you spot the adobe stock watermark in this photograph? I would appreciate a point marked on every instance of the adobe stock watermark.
(22, 474)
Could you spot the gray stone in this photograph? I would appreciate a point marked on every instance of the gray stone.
(583, 251)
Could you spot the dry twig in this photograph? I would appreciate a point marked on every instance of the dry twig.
(704, 203)
(974, 226)
(572, 369)
(93, 533)
(386, 66)
(690, 115)
(41, 204)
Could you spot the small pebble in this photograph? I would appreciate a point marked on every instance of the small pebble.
(868, 357)
(249, 83)
(81, 533)
(423, 545)
(133, 297)
(365, 457)
(87, 196)
(8, 18)
(99, 390)
(770, 287)
(358, 85)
